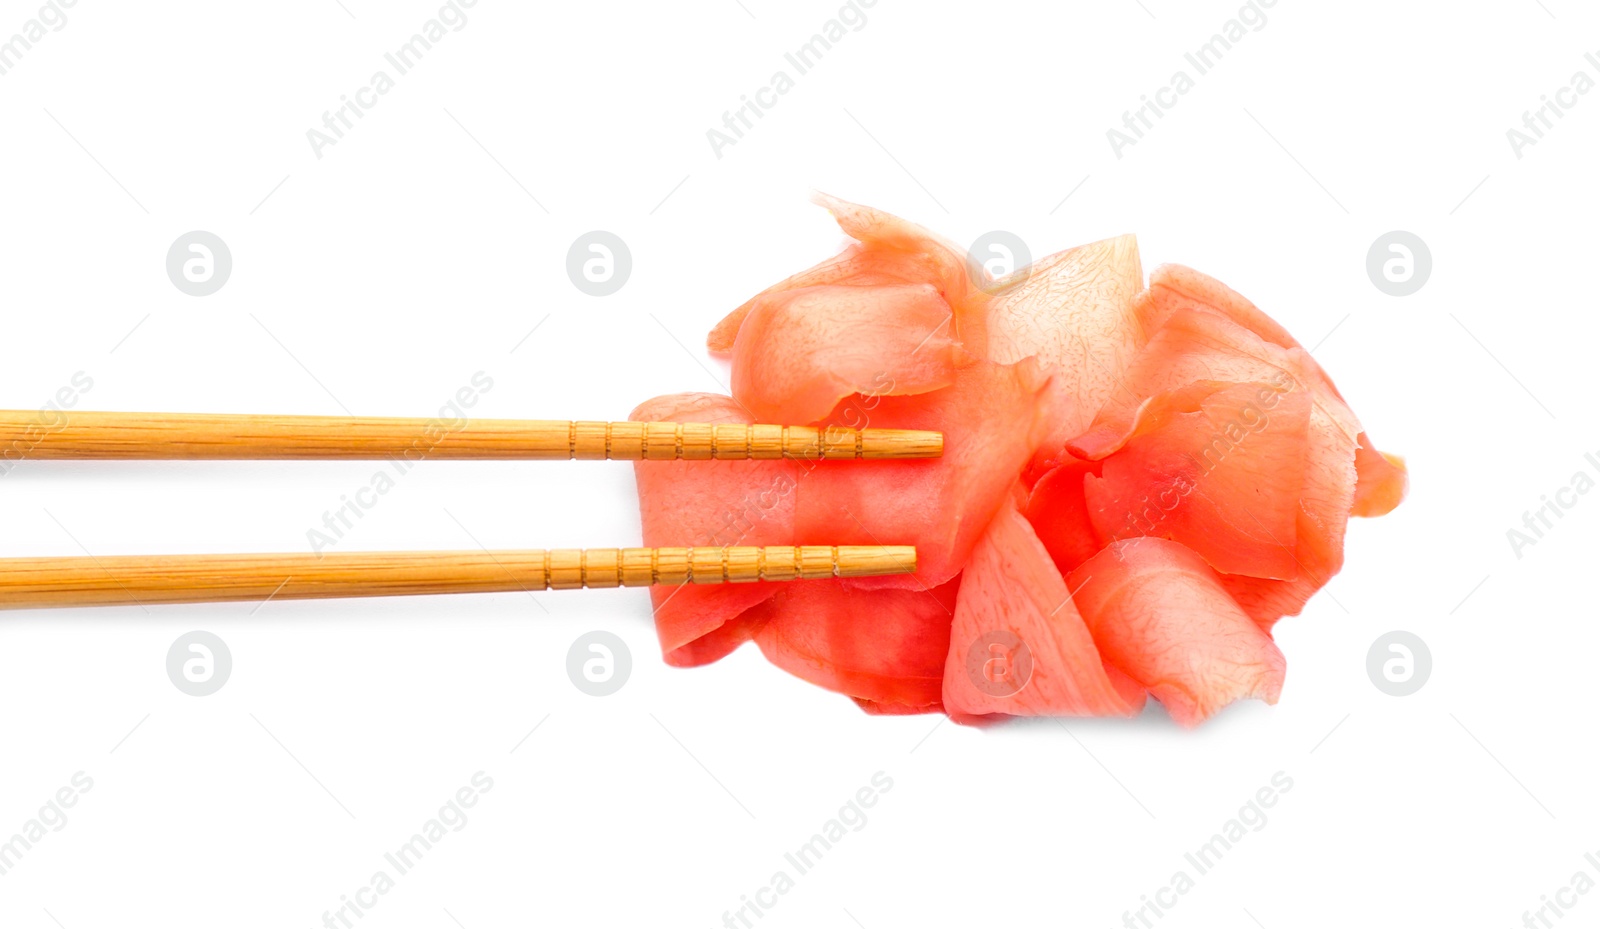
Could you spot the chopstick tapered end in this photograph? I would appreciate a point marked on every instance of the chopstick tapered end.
(876, 560)
(881, 444)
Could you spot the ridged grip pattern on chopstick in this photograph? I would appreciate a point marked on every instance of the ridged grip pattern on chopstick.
(147, 580)
(643, 567)
(80, 434)
(730, 441)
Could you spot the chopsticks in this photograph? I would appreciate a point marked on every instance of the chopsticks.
(71, 434)
(152, 579)
(144, 580)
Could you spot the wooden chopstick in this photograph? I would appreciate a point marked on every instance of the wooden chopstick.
(73, 434)
(27, 583)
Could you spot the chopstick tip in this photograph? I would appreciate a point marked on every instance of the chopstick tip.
(882, 444)
(876, 560)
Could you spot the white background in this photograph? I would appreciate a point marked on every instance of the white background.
(429, 242)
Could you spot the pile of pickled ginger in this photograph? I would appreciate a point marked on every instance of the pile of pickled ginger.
(1140, 478)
